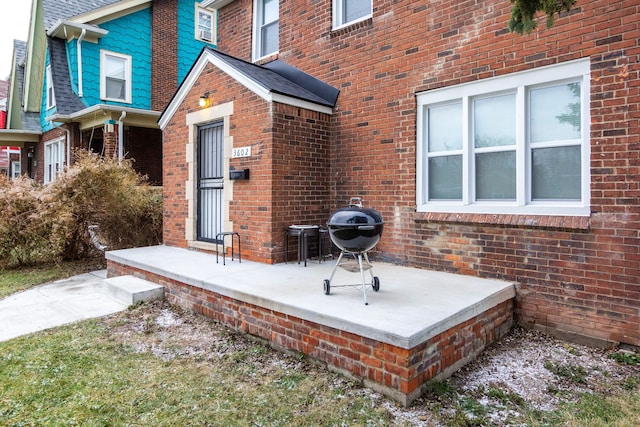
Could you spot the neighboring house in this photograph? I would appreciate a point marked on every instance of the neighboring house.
(487, 153)
(10, 162)
(4, 88)
(95, 75)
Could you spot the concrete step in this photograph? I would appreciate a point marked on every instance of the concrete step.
(131, 290)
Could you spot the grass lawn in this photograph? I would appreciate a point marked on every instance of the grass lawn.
(157, 365)
(19, 279)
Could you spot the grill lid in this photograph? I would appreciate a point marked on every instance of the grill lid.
(355, 215)
(355, 229)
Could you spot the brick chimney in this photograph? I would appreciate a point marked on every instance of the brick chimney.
(164, 52)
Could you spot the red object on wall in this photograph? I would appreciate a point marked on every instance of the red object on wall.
(3, 119)
(4, 157)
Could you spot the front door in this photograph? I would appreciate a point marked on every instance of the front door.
(210, 163)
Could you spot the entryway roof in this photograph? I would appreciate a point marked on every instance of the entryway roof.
(274, 81)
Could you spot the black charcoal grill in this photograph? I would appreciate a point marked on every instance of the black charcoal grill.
(355, 231)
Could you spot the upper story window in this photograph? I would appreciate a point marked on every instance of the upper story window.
(346, 12)
(513, 144)
(50, 95)
(266, 32)
(205, 25)
(115, 77)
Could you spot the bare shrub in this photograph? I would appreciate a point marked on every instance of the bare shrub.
(109, 194)
(24, 236)
(51, 223)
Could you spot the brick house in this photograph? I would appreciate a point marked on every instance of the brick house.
(95, 75)
(488, 153)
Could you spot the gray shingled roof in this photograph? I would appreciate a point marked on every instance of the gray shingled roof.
(20, 51)
(284, 79)
(30, 121)
(67, 101)
(58, 10)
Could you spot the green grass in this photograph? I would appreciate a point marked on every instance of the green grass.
(104, 372)
(626, 357)
(595, 411)
(80, 375)
(573, 373)
(15, 280)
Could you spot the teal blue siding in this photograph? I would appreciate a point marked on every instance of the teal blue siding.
(188, 46)
(72, 62)
(128, 35)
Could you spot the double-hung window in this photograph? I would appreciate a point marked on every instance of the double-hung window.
(266, 31)
(346, 12)
(115, 77)
(517, 144)
(50, 95)
(205, 29)
(54, 159)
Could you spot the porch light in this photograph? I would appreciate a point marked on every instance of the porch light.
(204, 100)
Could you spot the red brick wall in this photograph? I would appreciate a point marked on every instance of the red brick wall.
(144, 146)
(249, 127)
(288, 167)
(300, 170)
(576, 276)
(164, 52)
(399, 372)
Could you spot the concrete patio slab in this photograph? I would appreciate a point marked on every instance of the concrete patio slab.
(411, 306)
(420, 326)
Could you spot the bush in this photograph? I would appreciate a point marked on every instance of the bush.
(24, 237)
(52, 222)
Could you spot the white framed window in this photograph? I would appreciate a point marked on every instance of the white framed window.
(517, 144)
(347, 12)
(16, 170)
(54, 159)
(205, 25)
(115, 77)
(266, 31)
(50, 95)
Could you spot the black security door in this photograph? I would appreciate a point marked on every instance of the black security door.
(210, 181)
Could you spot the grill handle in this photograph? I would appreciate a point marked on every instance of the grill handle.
(366, 227)
(355, 202)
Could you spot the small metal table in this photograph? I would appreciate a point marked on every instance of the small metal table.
(302, 232)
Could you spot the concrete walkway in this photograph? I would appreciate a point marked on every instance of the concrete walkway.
(64, 301)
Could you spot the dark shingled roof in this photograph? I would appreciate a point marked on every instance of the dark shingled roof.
(30, 121)
(279, 77)
(59, 10)
(67, 101)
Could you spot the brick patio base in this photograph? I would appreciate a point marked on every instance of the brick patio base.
(400, 373)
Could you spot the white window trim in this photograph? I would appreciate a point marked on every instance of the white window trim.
(257, 33)
(103, 76)
(61, 161)
(50, 99)
(338, 15)
(574, 70)
(197, 29)
(16, 169)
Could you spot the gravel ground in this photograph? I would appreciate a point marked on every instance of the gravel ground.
(525, 369)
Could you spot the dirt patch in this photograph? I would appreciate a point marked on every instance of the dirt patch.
(526, 369)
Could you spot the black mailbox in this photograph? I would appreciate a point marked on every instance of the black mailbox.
(235, 174)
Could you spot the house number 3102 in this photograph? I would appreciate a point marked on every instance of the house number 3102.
(241, 152)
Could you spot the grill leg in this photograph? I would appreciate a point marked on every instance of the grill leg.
(366, 258)
(364, 285)
(336, 266)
